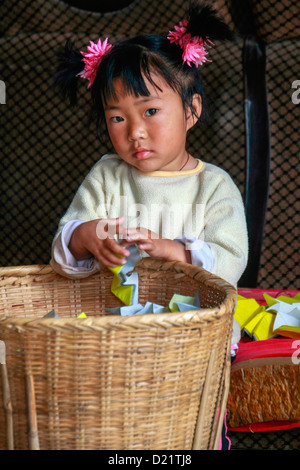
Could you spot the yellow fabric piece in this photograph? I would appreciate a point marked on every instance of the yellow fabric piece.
(288, 321)
(123, 293)
(288, 300)
(124, 285)
(250, 326)
(264, 328)
(180, 298)
(259, 320)
(288, 332)
(116, 269)
(245, 310)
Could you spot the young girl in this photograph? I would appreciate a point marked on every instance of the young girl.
(147, 91)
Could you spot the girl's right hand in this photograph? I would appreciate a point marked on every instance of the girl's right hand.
(96, 238)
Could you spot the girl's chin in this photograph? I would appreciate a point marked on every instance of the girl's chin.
(149, 163)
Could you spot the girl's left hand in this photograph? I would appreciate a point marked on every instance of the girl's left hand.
(155, 245)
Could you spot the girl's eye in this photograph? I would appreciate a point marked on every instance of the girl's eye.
(117, 119)
(151, 111)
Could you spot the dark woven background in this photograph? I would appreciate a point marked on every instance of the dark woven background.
(47, 148)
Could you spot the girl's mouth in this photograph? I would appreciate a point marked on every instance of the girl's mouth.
(141, 153)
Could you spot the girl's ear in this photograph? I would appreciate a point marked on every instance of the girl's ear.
(192, 117)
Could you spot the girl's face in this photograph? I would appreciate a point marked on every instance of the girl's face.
(149, 132)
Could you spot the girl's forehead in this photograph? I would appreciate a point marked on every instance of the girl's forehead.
(157, 89)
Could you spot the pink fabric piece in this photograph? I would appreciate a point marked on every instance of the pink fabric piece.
(226, 437)
(194, 51)
(92, 59)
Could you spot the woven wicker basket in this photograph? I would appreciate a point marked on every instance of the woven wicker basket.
(154, 381)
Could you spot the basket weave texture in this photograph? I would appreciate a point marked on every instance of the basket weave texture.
(153, 381)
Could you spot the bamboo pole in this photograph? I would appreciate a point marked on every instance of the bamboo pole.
(6, 398)
(224, 399)
(204, 398)
(32, 418)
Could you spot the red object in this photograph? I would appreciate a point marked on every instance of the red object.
(257, 294)
(274, 347)
(269, 426)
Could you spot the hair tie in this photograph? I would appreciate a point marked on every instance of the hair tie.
(194, 51)
(92, 59)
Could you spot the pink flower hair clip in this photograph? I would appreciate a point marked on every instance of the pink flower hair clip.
(92, 59)
(194, 51)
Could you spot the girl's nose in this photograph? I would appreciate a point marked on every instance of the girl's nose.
(136, 131)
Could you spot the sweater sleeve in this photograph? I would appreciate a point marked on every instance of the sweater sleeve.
(225, 231)
(84, 207)
(201, 254)
(62, 259)
(86, 202)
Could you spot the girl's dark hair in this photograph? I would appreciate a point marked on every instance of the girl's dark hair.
(137, 58)
(142, 57)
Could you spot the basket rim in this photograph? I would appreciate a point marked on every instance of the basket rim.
(189, 318)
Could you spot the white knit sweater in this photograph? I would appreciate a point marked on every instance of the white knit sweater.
(202, 207)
